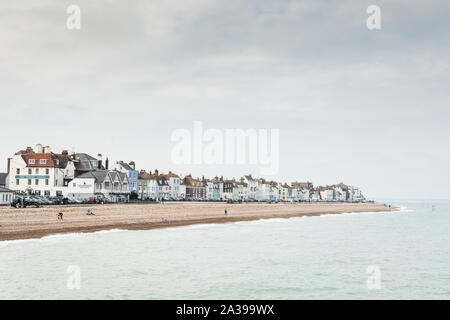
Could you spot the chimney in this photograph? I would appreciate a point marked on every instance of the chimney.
(100, 161)
(74, 156)
(132, 165)
(9, 164)
(150, 172)
(47, 149)
(39, 148)
(156, 172)
(107, 164)
(29, 150)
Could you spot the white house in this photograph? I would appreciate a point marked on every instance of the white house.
(174, 182)
(327, 194)
(252, 186)
(6, 196)
(340, 194)
(99, 184)
(274, 193)
(355, 194)
(241, 191)
(314, 194)
(263, 190)
(39, 171)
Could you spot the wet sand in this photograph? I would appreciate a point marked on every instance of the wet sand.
(39, 222)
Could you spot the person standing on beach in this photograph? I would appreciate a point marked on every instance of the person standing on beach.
(60, 216)
(226, 212)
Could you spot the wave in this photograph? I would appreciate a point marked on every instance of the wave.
(59, 236)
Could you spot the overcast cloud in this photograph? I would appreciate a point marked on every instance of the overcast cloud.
(370, 108)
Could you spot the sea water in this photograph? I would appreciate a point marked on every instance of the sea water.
(392, 255)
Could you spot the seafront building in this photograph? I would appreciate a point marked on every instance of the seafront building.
(252, 186)
(40, 171)
(6, 196)
(147, 186)
(102, 184)
(195, 188)
(130, 170)
(174, 182)
(162, 187)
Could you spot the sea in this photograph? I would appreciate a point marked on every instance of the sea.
(389, 255)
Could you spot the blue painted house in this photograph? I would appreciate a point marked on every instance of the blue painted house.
(130, 169)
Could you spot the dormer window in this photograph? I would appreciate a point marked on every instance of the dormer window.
(32, 161)
(43, 161)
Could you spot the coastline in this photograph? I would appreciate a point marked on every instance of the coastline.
(31, 223)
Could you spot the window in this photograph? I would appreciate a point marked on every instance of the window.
(46, 182)
(17, 171)
(43, 161)
(17, 182)
(37, 170)
(32, 161)
(29, 171)
(36, 181)
(74, 185)
(29, 182)
(47, 171)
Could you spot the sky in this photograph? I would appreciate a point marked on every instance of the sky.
(366, 107)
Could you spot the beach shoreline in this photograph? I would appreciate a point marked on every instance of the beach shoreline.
(31, 223)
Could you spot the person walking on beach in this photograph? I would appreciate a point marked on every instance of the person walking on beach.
(60, 216)
(226, 212)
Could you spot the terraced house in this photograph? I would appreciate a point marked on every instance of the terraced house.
(130, 170)
(240, 190)
(195, 188)
(111, 185)
(147, 186)
(162, 187)
(252, 185)
(174, 182)
(226, 190)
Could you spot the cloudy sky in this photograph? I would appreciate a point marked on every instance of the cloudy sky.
(367, 107)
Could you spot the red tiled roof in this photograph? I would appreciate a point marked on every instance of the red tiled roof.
(53, 160)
